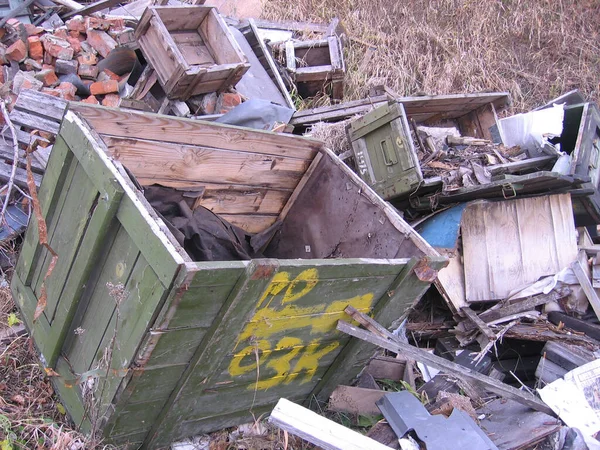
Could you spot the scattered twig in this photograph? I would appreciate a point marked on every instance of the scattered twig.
(492, 342)
(13, 172)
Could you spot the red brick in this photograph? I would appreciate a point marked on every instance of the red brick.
(96, 23)
(58, 48)
(48, 77)
(91, 99)
(53, 92)
(104, 87)
(87, 58)
(61, 33)
(32, 30)
(88, 71)
(25, 80)
(17, 51)
(2, 79)
(14, 22)
(47, 66)
(3, 59)
(36, 49)
(209, 103)
(116, 23)
(228, 101)
(111, 100)
(68, 90)
(75, 44)
(101, 42)
(76, 24)
(111, 75)
(124, 36)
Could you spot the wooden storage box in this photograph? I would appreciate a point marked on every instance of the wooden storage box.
(165, 347)
(191, 49)
(384, 152)
(317, 65)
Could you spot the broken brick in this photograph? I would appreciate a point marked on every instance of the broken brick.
(209, 103)
(75, 43)
(56, 47)
(111, 75)
(25, 80)
(76, 24)
(61, 33)
(53, 92)
(48, 77)
(36, 49)
(116, 23)
(88, 71)
(32, 30)
(101, 42)
(64, 67)
(87, 58)
(17, 51)
(96, 23)
(227, 101)
(92, 100)
(111, 100)
(68, 90)
(124, 36)
(104, 87)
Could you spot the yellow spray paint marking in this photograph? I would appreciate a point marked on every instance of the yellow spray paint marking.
(291, 357)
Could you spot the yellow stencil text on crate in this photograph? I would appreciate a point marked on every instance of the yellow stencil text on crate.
(279, 313)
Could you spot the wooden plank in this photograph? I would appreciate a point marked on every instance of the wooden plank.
(386, 368)
(138, 125)
(209, 355)
(193, 48)
(149, 159)
(587, 287)
(355, 400)
(519, 166)
(480, 324)
(40, 104)
(34, 122)
(92, 8)
(183, 17)
(451, 283)
(517, 241)
(215, 31)
(456, 370)
(405, 289)
(271, 67)
(453, 106)
(318, 430)
(252, 223)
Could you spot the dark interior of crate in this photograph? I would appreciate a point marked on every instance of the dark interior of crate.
(256, 180)
(199, 36)
(317, 55)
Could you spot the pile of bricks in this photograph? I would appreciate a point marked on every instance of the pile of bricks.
(63, 62)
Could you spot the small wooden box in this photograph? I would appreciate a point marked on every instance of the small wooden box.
(191, 49)
(317, 65)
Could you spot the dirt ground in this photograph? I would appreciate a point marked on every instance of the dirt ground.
(535, 49)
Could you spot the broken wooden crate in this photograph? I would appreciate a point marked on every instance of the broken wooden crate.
(191, 49)
(183, 337)
(317, 65)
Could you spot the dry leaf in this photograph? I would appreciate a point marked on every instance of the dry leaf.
(18, 398)
(50, 372)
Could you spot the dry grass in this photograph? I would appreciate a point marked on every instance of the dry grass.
(30, 415)
(535, 49)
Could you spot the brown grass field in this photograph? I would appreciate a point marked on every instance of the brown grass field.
(534, 49)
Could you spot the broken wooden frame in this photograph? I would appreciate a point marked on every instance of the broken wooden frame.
(188, 332)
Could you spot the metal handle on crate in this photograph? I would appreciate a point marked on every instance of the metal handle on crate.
(389, 154)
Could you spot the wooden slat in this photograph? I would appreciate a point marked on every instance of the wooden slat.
(150, 159)
(92, 8)
(184, 17)
(138, 125)
(34, 122)
(41, 104)
(252, 223)
(462, 372)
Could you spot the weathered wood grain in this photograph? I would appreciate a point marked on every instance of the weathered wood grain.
(139, 125)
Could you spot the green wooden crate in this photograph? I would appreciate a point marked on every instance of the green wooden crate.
(148, 346)
(384, 152)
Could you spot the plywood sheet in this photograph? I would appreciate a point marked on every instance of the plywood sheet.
(511, 244)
